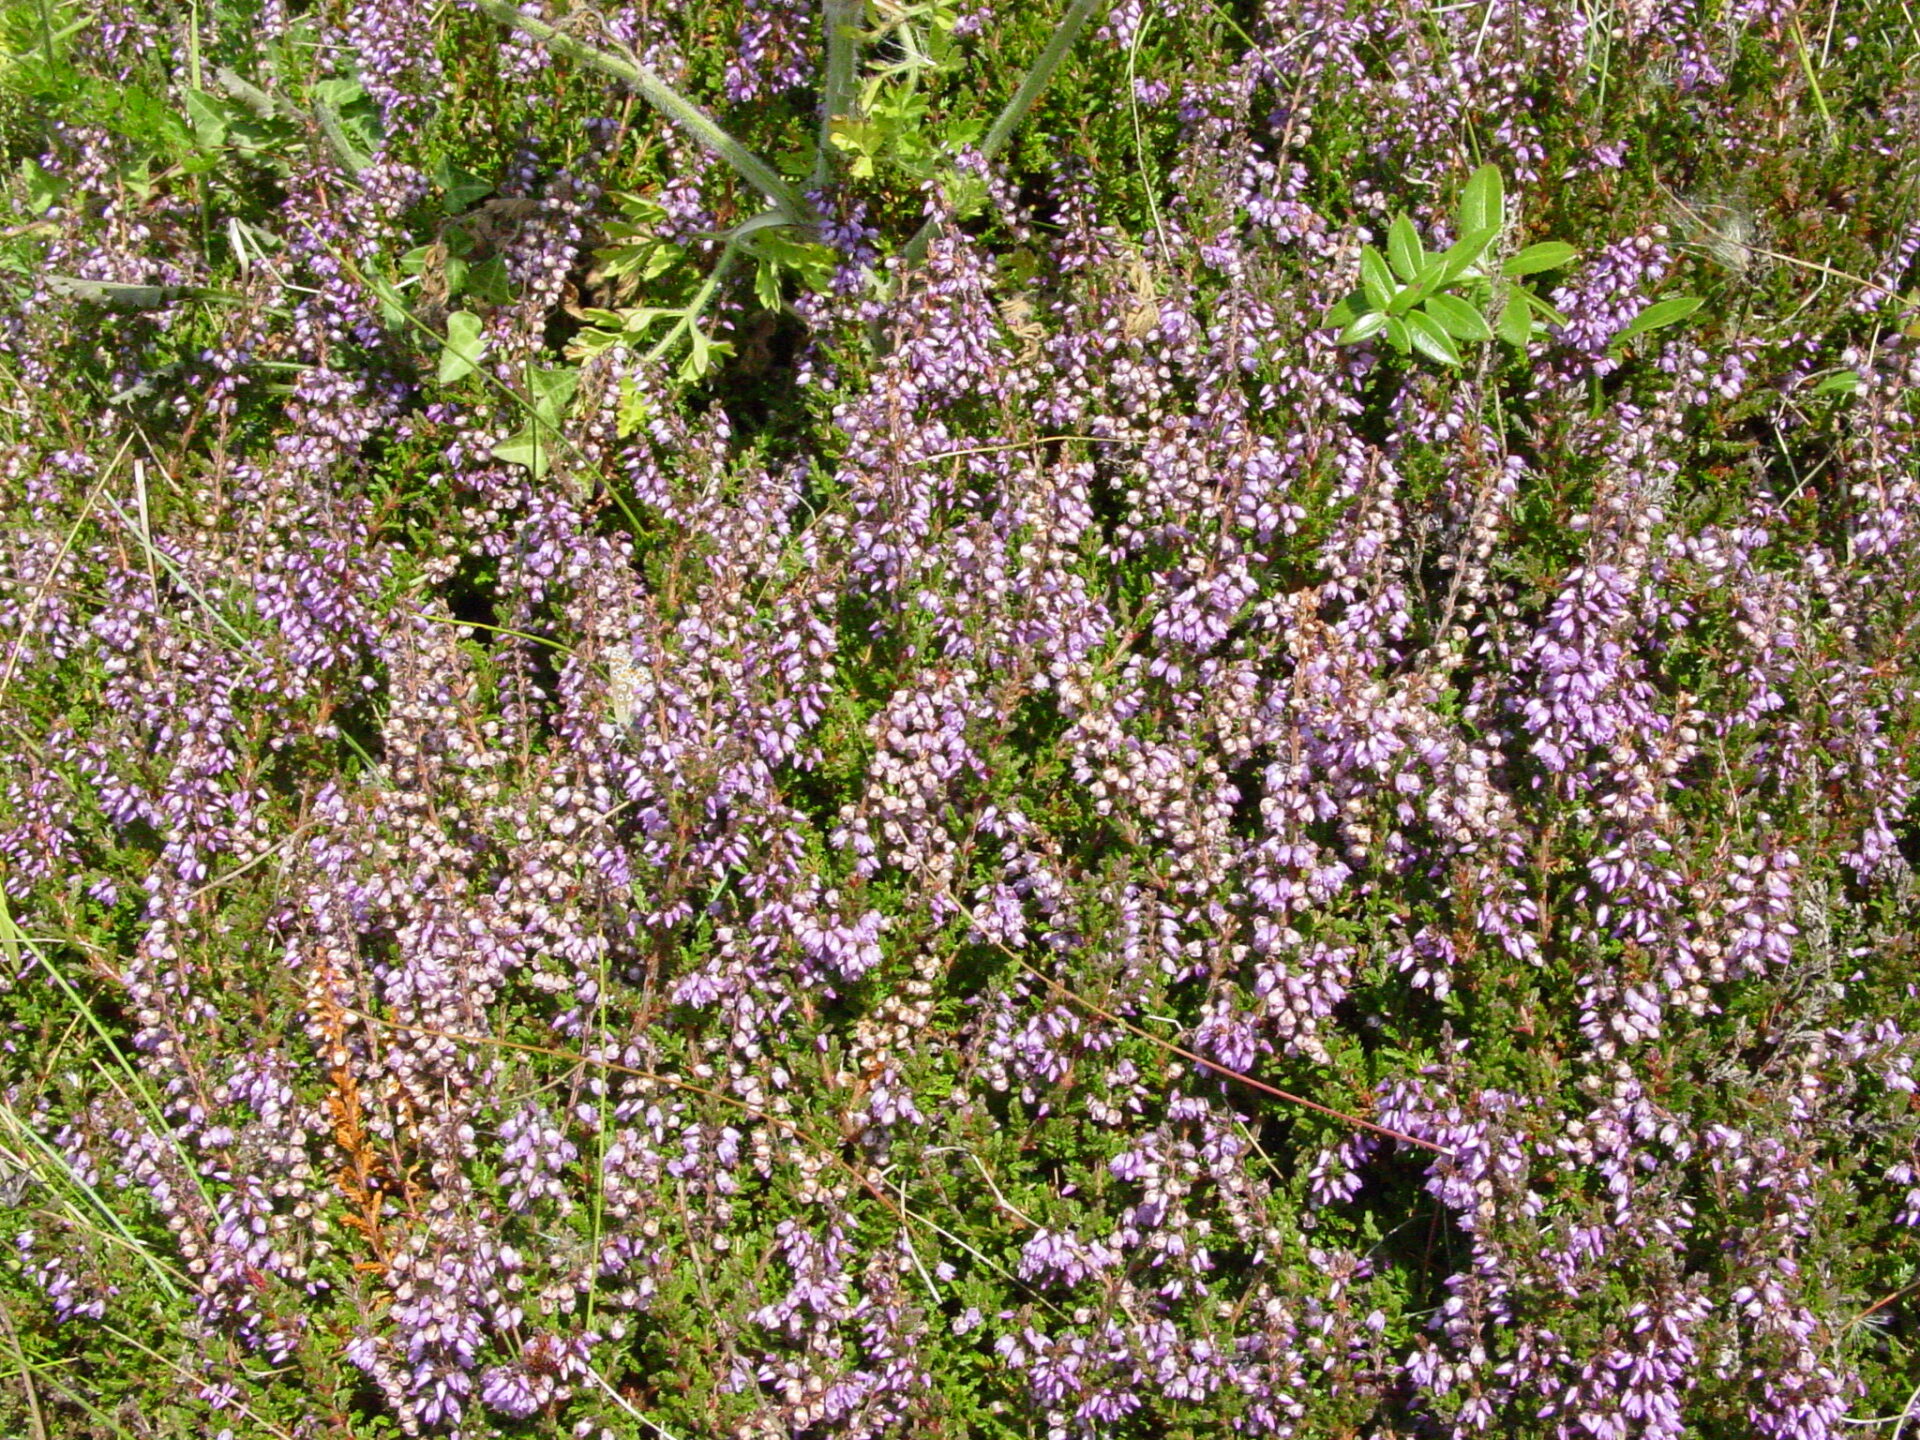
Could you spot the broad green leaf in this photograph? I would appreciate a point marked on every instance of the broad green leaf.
(466, 343)
(1403, 249)
(1364, 328)
(209, 120)
(526, 449)
(1547, 255)
(462, 189)
(1430, 340)
(1515, 324)
(552, 389)
(1376, 278)
(1482, 202)
(1841, 382)
(1457, 318)
(488, 282)
(1461, 255)
(1660, 313)
(1398, 335)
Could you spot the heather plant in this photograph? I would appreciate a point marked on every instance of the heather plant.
(783, 719)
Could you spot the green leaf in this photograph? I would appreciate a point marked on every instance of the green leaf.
(1403, 249)
(462, 189)
(1657, 315)
(1376, 278)
(208, 117)
(1430, 340)
(1424, 285)
(1482, 202)
(1398, 335)
(466, 343)
(1547, 255)
(1541, 308)
(766, 284)
(1515, 325)
(1345, 313)
(552, 390)
(1461, 255)
(487, 282)
(1457, 318)
(1841, 382)
(1363, 328)
(525, 449)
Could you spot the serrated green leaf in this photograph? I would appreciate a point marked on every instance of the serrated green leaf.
(1457, 318)
(1403, 249)
(1376, 278)
(1482, 202)
(766, 284)
(1658, 315)
(1430, 340)
(1547, 255)
(466, 343)
(1365, 327)
(1515, 325)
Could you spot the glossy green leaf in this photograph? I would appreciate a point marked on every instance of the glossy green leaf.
(1376, 278)
(1403, 249)
(1482, 202)
(1364, 328)
(1547, 255)
(1430, 340)
(1657, 315)
(1460, 256)
(466, 343)
(1458, 318)
(1432, 273)
(1399, 336)
(1346, 312)
(1515, 325)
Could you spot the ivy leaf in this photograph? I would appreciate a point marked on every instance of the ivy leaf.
(1482, 202)
(525, 449)
(466, 343)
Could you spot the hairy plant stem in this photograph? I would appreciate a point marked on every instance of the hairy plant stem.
(841, 21)
(669, 102)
